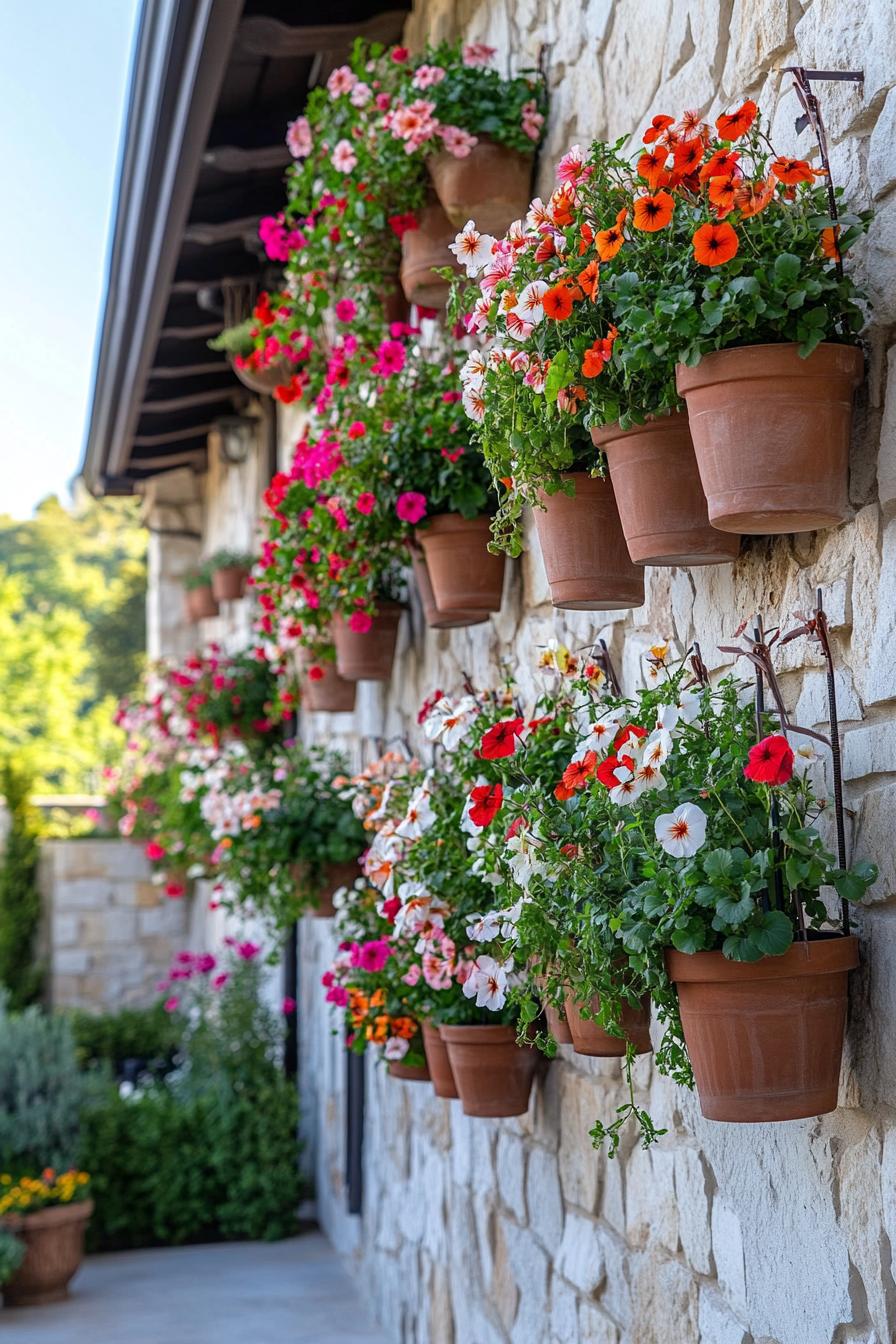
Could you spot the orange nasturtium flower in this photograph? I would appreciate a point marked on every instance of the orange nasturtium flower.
(656, 128)
(652, 167)
(732, 125)
(829, 245)
(792, 171)
(557, 301)
(715, 244)
(723, 193)
(405, 1027)
(588, 279)
(653, 212)
(752, 197)
(586, 238)
(721, 164)
(609, 241)
(598, 355)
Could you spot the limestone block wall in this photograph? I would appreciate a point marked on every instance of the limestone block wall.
(110, 933)
(484, 1232)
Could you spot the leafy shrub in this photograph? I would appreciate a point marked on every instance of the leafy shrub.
(41, 1091)
(148, 1035)
(19, 893)
(12, 1253)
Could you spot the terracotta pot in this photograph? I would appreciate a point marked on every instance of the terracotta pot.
(491, 185)
(201, 604)
(396, 307)
(54, 1249)
(583, 547)
(368, 656)
(229, 583)
(335, 875)
(329, 693)
(435, 619)
(765, 1038)
(659, 496)
(771, 434)
(465, 576)
(590, 1039)
(264, 381)
(493, 1074)
(424, 248)
(411, 1073)
(438, 1062)
(558, 1026)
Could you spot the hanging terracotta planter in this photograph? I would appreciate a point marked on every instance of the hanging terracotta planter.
(229, 583)
(438, 1063)
(264, 381)
(328, 692)
(424, 248)
(765, 1038)
(588, 1038)
(661, 503)
(411, 1073)
(368, 656)
(583, 547)
(200, 603)
(491, 185)
(54, 1249)
(558, 1024)
(493, 1074)
(771, 433)
(396, 307)
(435, 619)
(465, 576)
(335, 875)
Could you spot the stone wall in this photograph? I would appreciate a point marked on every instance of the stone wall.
(482, 1232)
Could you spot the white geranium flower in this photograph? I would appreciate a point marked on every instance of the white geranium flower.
(528, 305)
(600, 736)
(448, 720)
(396, 1048)
(524, 862)
(487, 983)
(657, 748)
(682, 832)
(628, 786)
(688, 706)
(483, 928)
(420, 816)
(472, 372)
(804, 757)
(472, 248)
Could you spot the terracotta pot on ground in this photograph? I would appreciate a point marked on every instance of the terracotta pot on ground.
(368, 656)
(411, 1073)
(765, 1038)
(201, 604)
(424, 248)
(264, 381)
(465, 576)
(493, 1074)
(661, 503)
(491, 186)
(438, 1062)
(329, 692)
(588, 1038)
(436, 619)
(229, 583)
(771, 434)
(583, 548)
(54, 1249)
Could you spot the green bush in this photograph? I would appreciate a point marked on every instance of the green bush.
(19, 893)
(12, 1253)
(149, 1035)
(42, 1091)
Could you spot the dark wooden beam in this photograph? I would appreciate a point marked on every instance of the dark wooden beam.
(187, 400)
(189, 370)
(262, 36)
(171, 436)
(190, 457)
(226, 231)
(233, 159)
(194, 333)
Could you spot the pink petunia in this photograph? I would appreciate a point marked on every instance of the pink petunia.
(411, 506)
(365, 503)
(360, 622)
(345, 309)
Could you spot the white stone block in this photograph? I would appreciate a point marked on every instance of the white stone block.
(595, 1327)
(728, 1250)
(65, 930)
(511, 1173)
(71, 961)
(543, 1198)
(886, 456)
(717, 1325)
(580, 1258)
(580, 1165)
(82, 893)
(870, 750)
(693, 1186)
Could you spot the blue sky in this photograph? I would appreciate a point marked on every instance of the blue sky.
(64, 68)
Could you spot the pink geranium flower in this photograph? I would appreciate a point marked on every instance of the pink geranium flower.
(365, 502)
(343, 158)
(390, 359)
(154, 851)
(357, 429)
(360, 622)
(298, 138)
(411, 506)
(345, 309)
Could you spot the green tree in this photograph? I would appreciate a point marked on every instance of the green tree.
(19, 893)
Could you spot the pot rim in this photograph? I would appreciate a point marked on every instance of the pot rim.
(480, 1031)
(715, 366)
(75, 1211)
(450, 522)
(604, 435)
(823, 956)
(489, 141)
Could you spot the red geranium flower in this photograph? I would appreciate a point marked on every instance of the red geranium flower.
(771, 761)
(486, 800)
(577, 773)
(500, 740)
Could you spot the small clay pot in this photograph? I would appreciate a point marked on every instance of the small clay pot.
(661, 503)
(424, 248)
(200, 603)
(590, 1039)
(265, 381)
(438, 1062)
(765, 1038)
(411, 1073)
(771, 434)
(583, 547)
(396, 307)
(493, 1074)
(368, 656)
(491, 185)
(335, 875)
(557, 1024)
(229, 583)
(329, 692)
(435, 619)
(465, 576)
(54, 1249)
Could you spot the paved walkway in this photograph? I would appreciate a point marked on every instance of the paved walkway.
(282, 1292)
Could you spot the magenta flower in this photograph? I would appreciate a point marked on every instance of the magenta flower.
(360, 622)
(171, 1005)
(247, 950)
(390, 359)
(411, 506)
(338, 995)
(372, 956)
(288, 1005)
(154, 851)
(345, 309)
(365, 502)
(220, 980)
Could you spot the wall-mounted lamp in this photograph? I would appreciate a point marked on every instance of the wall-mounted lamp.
(235, 436)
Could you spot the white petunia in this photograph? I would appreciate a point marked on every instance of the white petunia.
(396, 1048)
(804, 757)
(472, 248)
(682, 832)
(528, 305)
(419, 818)
(483, 928)
(487, 983)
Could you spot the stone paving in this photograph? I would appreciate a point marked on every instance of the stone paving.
(284, 1292)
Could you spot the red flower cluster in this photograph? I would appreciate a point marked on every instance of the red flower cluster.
(771, 761)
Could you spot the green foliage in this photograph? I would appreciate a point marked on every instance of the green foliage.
(41, 1092)
(236, 340)
(69, 603)
(12, 1253)
(230, 560)
(20, 904)
(147, 1034)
